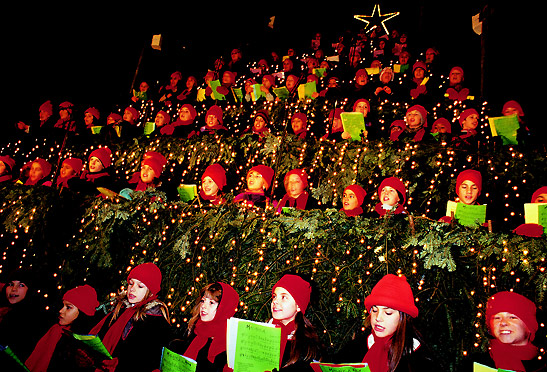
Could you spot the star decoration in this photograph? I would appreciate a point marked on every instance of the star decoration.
(376, 19)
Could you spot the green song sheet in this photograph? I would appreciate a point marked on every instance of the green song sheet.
(477, 367)
(354, 124)
(173, 362)
(467, 215)
(94, 343)
(281, 92)
(216, 95)
(7, 350)
(505, 127)
(187, 192)
(342, 367)
(149, 127)
(536, 213)
(306, 90)
(257, 93)
(96, 129)
(253, 346)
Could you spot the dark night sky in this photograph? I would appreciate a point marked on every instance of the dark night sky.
(90, 55)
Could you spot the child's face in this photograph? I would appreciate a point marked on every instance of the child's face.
(2, 167)
(295, 186)
(136, 291)
(147, 174)
(455, 77)
(68, 313)
(211, 121)
(349, 200)
(389, 196)
(208, 308)
(297, 124)
(44, 115)
(541, 198)
(386, 77)
(403, 58)
(64, 114)
(440, 128)
(88, 119)
(185, 114)
(471, 122)
(284, 307)
(255, 182)
(209, 186)
(266, 83)
(16, 291)
(259, 123)
(290, 83)
(143, 87)
(419, 73)
(384, 320)
(160, 120)
(468, 192)
(66, 170)
(362, 107)
(361, 79)
(337, 125)
(95, 165)
(36, 172)
(414, 120)
(509, 329)
(128, 116)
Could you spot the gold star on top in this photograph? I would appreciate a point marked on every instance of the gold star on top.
(376, 19)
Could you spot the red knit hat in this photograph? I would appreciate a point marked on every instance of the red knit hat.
(93, 111)
(299, 289)
(46, 167)
(216, 111)
(301, 116)
(421, 110)
(157, 156)
(8, 162)
(166, 116)
(84, 298)
(75, 164)
(153, 163)
(217, 174)
(266, 172)
(516, 304)
(47, 107)
(466, 113)
(103, 154)
(394, 292)
(149, 274)
(443, 121)
(538, 192)
(359, 192)
(515, 105)
(470, 175)
(395, 183)
(300, 173)
(133, 112)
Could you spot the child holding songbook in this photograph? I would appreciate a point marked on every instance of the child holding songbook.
(205, 339)
(533, 229)
(297, 196)
(389, 341)
(58, 350)
(300, 344)
(137, 328)
(511, 320)
(99, 173)
(468, 189)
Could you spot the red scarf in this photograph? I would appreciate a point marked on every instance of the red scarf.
(286, 331)
(205, 330)
(39, 360)
(507, 356)
(377, 355)
(382, 212)
(5, 177)
(298, 202)
(115, 331)
(215, 200)
(354, 212)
